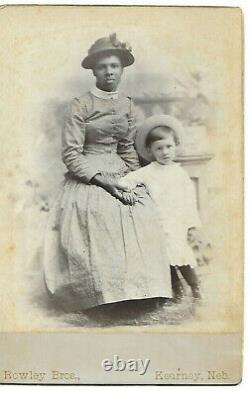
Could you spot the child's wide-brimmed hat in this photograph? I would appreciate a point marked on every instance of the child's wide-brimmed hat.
(110, 45)
(151, 123)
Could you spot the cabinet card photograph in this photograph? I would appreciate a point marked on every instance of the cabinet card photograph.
(121, 195)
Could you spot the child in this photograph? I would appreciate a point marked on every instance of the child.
(172, 191)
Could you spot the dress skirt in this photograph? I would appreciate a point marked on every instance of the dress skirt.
(98, 250)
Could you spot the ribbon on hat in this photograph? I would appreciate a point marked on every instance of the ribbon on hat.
(116, 43)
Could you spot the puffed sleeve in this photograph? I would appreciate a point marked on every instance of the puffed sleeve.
(125, 147)
(133, 179)
(73, 138)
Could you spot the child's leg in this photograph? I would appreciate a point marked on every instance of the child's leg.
(176, 284)
(192, 280)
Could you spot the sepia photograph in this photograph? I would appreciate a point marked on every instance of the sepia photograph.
(124, 178)
(124, 233)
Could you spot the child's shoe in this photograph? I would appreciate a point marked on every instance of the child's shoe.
(196, 293)
(178, 292)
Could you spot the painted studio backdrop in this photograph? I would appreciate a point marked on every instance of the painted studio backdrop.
(174, 73)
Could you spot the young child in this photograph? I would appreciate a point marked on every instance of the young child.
(172, 191)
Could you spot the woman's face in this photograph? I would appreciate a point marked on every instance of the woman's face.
(108, 71)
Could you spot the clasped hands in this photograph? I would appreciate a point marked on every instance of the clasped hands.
(124, 194)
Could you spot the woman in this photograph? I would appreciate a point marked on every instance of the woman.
(98, 248)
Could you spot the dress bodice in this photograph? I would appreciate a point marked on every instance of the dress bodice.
(106, 125)
(99, 136)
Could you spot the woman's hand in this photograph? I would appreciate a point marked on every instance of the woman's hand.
(129, 197)
(128, 194)
(126, 197)
(114, 189)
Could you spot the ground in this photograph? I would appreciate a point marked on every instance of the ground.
(133, 313)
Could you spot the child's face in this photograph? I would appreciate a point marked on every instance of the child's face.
(163, 150)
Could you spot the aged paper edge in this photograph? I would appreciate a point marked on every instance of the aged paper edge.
(78, 358)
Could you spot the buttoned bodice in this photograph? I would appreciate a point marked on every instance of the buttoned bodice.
(105, 127)
(99, 136)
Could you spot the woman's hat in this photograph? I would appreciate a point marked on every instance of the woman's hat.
(111, 45)
(151, 123)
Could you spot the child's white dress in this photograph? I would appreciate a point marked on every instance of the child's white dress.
(173, 193)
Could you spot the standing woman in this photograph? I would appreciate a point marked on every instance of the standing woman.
(99, 248)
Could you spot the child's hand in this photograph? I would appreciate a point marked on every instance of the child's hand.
(193, 234)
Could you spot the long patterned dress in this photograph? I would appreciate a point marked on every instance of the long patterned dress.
(98, 250)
